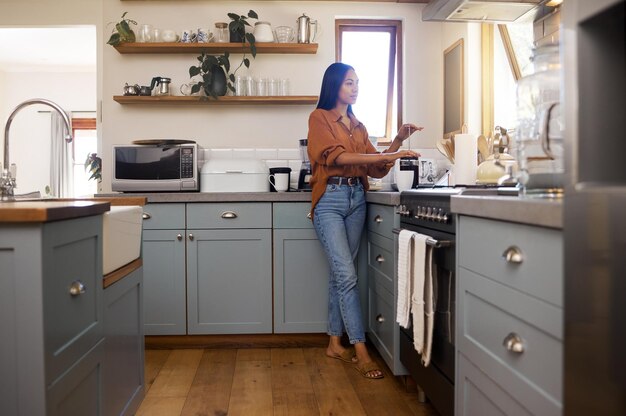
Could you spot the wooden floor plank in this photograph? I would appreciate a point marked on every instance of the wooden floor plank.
(251, 394)
(333, 391)
(210, 390)
(292, 391)
(161, 406)
(177, 374)
(379, 396)
(154, 361)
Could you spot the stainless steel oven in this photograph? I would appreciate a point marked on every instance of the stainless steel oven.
(428, 212)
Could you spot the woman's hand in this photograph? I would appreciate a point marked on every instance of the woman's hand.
(406, 130)
(389, 159)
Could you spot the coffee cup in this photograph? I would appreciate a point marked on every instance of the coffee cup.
(204, 35)
(168, 35)
(279, 179)
(188, 36)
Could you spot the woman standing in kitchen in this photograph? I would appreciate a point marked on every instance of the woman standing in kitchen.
(342, 158)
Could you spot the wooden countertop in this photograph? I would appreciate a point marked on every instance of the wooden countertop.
(50, 210)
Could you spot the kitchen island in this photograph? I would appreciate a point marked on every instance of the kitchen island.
(71, 345)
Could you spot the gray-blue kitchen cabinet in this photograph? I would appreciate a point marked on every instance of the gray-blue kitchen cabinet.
(382, 256)
(229, 268)
(124, 345)
(164, 269)
(300, 272)
(509, 321)
(52, 324)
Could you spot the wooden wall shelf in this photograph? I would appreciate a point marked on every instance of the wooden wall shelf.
(226, 100)
(214, 48)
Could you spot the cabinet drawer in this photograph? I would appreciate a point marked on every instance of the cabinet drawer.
(492, 312)
(229, 215)
(72, 287)
(164, 216)
(477, 394)
(381, 219)
(382, 321)
(380, 258)
(292, 215)
(540, 273)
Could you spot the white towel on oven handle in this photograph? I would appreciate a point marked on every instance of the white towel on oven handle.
(403, 307)
(430, 306)
(418, 272)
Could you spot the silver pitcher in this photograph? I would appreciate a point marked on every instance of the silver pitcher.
(307, 29)
(163, 85)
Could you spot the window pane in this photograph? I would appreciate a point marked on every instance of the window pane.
(368, 53)
(85, 142)
(521, 35)
(504, 86)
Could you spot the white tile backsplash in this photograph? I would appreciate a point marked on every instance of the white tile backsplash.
(221, 153)
(244, 153)
(289, 154)
(266, 154)
(276, 163)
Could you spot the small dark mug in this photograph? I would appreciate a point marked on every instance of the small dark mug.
(145, 90)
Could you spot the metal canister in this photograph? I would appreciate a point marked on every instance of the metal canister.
(304, 31)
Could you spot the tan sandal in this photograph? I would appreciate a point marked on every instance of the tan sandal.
(347, 356)
(367, 368)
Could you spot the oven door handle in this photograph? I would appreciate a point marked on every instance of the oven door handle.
(431, 241)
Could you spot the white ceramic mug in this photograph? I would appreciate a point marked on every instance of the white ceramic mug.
(204, 35)
(188, 36)
(280, 181)
(168, 35)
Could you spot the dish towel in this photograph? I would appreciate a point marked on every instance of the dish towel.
(403, 309)
(423, 297)
(429, 306)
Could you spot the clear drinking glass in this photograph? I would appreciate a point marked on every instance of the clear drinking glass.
(240, 86)
(145, 33)
(261, 86)
(284, 86)
(272, 89)
(250, 86)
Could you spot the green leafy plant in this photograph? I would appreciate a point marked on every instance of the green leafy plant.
(210, 67)
(122, 32)
(93, 164)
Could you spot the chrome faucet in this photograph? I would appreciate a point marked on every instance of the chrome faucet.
(7, 180)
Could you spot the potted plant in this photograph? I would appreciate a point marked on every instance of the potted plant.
(122, 31)
(93, 165)
(215, 70)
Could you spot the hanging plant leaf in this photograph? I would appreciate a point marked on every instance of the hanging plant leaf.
(246, 62)
(193, 71)
(196, 87)
(114, 39)
(252, 14)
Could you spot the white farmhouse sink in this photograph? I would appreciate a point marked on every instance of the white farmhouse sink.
(121, 237)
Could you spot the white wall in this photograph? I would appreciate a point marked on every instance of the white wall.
(30, 130)
(471, 35)
(259, 126)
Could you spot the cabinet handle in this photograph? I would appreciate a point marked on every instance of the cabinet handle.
(308, 215)
(190, 237)
(380, 259)
(179, 237)
(146, 216)
(378, 219)
(380, 318)
(77, 288)
(514, 343)
(228, 215)
(513, 255)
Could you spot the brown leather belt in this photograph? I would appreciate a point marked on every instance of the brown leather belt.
(340, 180)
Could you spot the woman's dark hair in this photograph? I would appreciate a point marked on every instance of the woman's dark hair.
(331, 83)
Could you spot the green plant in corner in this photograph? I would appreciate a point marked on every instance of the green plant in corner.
(215, 70)
(122, 31)
(93, 165)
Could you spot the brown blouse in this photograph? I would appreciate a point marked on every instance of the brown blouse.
(328, 138)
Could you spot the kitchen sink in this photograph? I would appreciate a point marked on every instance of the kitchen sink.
(121, 236)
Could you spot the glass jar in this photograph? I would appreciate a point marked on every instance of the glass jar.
(221, 32)
(539, 136)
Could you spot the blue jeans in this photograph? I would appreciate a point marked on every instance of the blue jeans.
(338, 219)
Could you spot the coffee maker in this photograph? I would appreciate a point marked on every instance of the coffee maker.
(304, 179)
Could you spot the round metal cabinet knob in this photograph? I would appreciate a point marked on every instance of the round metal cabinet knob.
(514, 343)
(146, 216)
(179, 237)
(378, 219)
(191, 237)
(380, 259)
(77, 288)
(513, 255)
(380, 318)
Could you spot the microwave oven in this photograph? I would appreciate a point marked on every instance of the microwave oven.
(156, 168)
